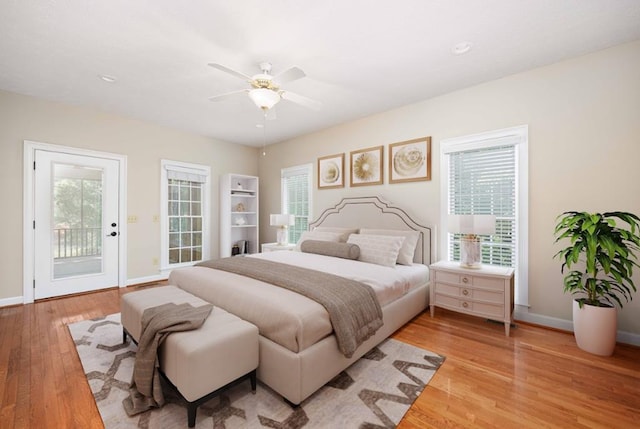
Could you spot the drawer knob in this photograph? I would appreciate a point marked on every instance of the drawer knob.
(465, 280)
(465, 292)
(465, 304)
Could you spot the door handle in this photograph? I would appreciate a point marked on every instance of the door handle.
(113, 234)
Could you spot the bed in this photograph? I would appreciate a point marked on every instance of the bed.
(299, 351)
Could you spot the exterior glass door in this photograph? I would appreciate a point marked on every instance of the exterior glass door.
(76, 223)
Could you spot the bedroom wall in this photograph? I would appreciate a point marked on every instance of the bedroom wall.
(144, 144)
(584, 144)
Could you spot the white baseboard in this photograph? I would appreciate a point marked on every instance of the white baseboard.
(5, 302)
(522, 313)
(147, 279)
(628, 338)
(16, 300)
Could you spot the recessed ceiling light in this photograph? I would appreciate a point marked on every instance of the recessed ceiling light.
(461, 48)
(259, 125)
(106, 78)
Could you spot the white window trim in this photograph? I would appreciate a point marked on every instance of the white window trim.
(484, 140)
(197, 169)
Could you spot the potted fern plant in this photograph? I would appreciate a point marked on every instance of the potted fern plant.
(599, 261)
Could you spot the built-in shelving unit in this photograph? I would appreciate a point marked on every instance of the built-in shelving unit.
(238, 213)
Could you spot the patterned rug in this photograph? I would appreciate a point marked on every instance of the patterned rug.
(374, 392)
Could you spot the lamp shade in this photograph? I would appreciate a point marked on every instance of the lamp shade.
(472, 224)
(282, 220)
(264, 98)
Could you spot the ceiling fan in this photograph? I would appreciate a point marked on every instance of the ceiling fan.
(265, 90)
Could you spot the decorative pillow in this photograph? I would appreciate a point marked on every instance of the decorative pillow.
(378, 249)
(344, 232)
(318, 235)
(405, 257)
(329, 248)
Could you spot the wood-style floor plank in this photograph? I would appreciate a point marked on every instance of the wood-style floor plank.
(536, 378)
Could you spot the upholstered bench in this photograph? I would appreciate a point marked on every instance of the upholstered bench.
(202, 362)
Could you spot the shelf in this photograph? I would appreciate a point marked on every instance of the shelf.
(239, 202)
(242, 193)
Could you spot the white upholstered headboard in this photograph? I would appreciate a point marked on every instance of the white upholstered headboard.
(375, 213)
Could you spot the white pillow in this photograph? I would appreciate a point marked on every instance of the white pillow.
(405, 257)
(377, 249)
(318, 235)
(344, 232)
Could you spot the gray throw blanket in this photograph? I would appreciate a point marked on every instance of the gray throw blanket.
(145, 391)
(353, 308)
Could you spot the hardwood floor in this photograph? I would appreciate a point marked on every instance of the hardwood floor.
(535, 378)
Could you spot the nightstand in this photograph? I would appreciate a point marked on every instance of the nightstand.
(271, 247)
(485, 292)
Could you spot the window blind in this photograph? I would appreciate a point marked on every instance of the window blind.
(483, 181)
(188, 174)
(296, 196)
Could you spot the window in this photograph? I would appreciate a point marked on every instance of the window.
(296, 198)
(487, 174)
(185, 213)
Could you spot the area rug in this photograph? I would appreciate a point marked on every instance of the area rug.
(374, 392)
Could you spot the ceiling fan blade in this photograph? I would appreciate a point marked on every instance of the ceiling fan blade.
(299, 99)
(227, 95)
(289, 75)
(230, 71)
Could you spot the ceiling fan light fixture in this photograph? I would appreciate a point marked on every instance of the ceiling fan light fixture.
(264, 98)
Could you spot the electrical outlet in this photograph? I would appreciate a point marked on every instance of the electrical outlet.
(155, 262)
(132, 219)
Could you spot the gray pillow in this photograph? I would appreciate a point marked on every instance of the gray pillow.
(331, 248)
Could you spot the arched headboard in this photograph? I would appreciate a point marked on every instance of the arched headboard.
(375, 213)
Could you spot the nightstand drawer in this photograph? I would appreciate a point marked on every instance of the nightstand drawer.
(470, 307)
(486, 295)
(470, 293)
(469, 280)
(447, 277)
(488, 283)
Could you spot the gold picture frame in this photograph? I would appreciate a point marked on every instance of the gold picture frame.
(410, 161)
(331, 171)
(366, 166)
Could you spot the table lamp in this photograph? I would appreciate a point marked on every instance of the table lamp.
(282, 221)
(471, 226)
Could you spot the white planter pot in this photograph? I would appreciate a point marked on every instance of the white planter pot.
(595, 328)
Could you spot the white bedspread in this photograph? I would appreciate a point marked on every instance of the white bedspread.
(389, 283)
(285, 317)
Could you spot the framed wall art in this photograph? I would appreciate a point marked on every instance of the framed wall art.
(366, 166)
(331, 171)
(410, 161)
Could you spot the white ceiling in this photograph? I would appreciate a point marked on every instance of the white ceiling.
(360, 56)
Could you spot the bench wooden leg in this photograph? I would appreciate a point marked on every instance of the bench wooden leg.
(253, 379)
(192, 408)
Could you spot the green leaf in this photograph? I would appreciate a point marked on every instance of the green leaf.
(602, 253)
